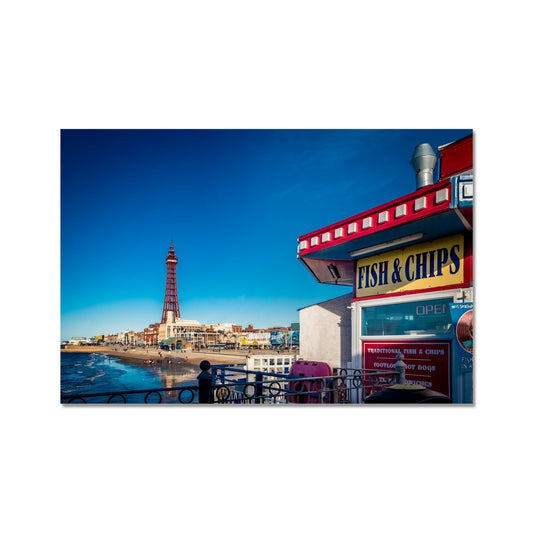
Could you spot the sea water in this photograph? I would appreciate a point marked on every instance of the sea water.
(87, 373)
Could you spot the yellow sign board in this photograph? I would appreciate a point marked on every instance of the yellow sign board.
(422, 266)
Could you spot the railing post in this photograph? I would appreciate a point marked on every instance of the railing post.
(205, 383)
(400, 367)
(258, 387)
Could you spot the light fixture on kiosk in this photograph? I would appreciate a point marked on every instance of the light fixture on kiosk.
(334, 271)
(388, 244)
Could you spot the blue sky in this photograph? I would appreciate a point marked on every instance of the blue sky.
(233, 202)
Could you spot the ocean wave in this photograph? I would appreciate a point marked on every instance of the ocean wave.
(92, 378)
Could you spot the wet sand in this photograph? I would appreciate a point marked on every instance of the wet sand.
(188, 358)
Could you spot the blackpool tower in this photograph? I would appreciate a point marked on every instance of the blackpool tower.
(171, 292)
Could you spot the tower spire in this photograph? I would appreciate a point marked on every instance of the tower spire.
(171, 292)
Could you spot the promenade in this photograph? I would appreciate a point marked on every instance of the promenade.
(192, 358)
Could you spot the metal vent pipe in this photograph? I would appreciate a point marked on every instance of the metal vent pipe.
(424, 161)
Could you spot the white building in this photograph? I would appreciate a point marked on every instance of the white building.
(126, 337)
(276, 363)
(179, 327)
(78, 341)
(225, 326)
(325, 332)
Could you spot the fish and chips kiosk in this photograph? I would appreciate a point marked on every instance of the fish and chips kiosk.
(409, 263)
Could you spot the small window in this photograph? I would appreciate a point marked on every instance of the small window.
(367, 223)
(426, 317)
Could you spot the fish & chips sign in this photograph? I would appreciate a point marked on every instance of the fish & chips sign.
(432, 264)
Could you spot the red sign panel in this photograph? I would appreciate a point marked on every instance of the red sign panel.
(456, 157)
(428, 363)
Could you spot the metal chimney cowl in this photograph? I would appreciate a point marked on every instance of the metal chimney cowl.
(424, 161)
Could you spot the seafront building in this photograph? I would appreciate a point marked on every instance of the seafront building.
(191, 334)
(257, 338)
(150, 335)
(178, 333)
(227, 334)
(127, 337)
(80, 341)
(224, 327)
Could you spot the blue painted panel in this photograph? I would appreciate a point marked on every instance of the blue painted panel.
(462, 191)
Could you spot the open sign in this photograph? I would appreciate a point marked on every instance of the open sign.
(431, 309)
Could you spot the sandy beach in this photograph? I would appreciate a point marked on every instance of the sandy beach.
(192, 359)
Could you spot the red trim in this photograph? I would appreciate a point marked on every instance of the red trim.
(457, 157)
(469, 258)
(376, 226)
(406, 293)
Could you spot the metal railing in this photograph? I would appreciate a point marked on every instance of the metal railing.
(180, 395)
(233, 384)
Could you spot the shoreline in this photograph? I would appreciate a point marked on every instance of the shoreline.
(187, 358)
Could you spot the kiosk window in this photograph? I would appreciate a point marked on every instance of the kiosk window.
(428, 317)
